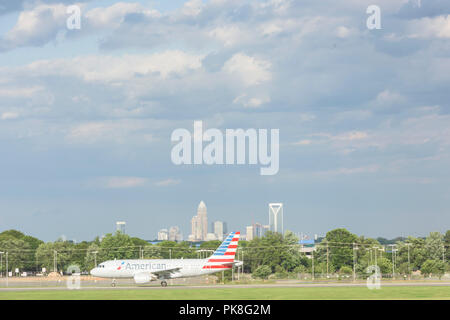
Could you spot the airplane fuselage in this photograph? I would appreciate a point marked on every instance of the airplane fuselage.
(129, 268)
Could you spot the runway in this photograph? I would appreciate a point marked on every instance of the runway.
(235, 286)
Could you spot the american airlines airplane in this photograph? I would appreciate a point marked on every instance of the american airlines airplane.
(146, 270)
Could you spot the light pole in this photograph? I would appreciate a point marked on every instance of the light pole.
(327, 262)
(238, 252)
(368, 250)
(443, 254)
(409, 267)
(54, 260)
(232, 273)
(393, 263)
(1, 264)
(7, 273)
(242, 268)
(354, 261)
(95, 258)
(376, 249)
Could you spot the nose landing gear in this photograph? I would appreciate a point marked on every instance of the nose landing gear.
(163, 283)
(113, 283)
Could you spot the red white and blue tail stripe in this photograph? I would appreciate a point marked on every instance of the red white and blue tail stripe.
(223, 257)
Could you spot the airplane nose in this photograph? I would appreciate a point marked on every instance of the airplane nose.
(94, 272)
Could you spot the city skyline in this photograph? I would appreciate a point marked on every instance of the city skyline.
(200, 231)
(241, 226)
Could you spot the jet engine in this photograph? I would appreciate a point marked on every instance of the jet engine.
(140, 278)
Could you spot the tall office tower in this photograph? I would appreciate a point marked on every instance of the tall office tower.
(276, 217)
(258, 230)
(249, 233)
(120, 226)
(225, 228)
(175, 234)
(195, 229)
(199, 223)
(163, 234)
(218, 230)
(201, 213)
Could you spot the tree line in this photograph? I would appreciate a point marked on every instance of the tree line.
(339, 252)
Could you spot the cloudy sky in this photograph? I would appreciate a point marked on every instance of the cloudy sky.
(86, 115)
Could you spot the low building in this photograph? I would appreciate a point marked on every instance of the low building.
(210, 237)
(163, 235)
(249, 233)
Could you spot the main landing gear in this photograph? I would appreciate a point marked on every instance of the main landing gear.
(163, 283)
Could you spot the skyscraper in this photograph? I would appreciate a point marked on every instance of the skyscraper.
(258, 230)
(218, 230)
(175, 234)
(276, 217)
(201, 213)
(195, 229)
(163, 235)
(249, 233)
(120, 226)
(199, 223)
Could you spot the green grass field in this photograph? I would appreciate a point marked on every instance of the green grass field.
(328, 293)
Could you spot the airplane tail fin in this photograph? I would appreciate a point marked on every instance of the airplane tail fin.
(223, 257)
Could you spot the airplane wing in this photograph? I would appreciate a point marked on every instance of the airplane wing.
(231, 263)
(166, 274)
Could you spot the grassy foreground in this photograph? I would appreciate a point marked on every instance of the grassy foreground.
(354, 293)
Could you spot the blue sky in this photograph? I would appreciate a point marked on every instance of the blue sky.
(86, 115)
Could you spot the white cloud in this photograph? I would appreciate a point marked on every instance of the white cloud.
(436, 27)
(352, 115)
(276, 26)
(36, 26)
(192, 7)
(306, 117)
(251, 102)
(43, 23)
(346, 136)
(349, 136)
(250, 70)
(388, 98)
(303, 142)
(167, 182)
(112, 16)
(9, 115)
(116, 131)
(343, 141)
(228, 35)
(345, 32)
(118, 68)
(124, 182)
(349, 171)
(429, 127)
(25, 92)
